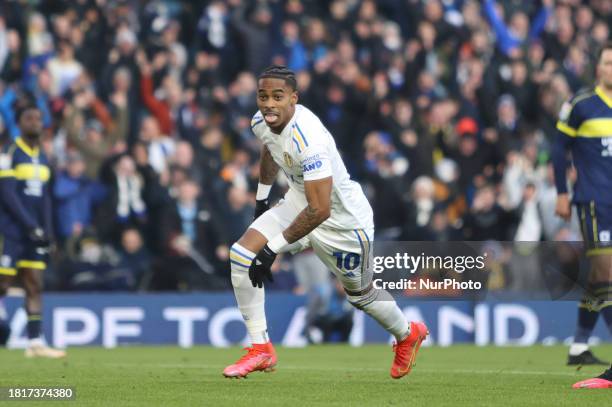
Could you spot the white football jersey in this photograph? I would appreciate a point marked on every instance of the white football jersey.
(306, 151)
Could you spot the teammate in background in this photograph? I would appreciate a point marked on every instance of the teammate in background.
(322, 209)
(5, 329)
(585, 129)
(25, 222)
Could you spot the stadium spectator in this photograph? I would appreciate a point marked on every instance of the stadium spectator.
(64, 69)
(195, 244)
(75, 197)
(420, 208)
(184, 159)
(239, 212)
(125, 203)
(510, 38)
(164, 110)
(487, 219)
(92, 267)
(134, 259)
(255, 30)
(386, 169)
(160, 146)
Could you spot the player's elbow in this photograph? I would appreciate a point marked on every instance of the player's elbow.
(324, 213)
(318, 214)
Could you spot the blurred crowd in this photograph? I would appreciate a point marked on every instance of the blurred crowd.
(444, 110)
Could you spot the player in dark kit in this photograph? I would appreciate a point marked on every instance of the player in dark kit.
(25, 222)
(585, 129)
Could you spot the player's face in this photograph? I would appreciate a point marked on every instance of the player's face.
(276, 102)
(30, 123)
(604, 69)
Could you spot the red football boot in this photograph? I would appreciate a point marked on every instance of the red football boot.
(259, 357)
(407, 349)
(603, 381)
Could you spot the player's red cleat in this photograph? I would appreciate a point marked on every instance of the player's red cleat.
(593, 384)
(259, 357)
(603, 381)
(407, 349)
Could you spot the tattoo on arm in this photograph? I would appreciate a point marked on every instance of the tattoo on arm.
(303, 224)
(267, 167)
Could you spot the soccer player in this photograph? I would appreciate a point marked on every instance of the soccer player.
(25, 222)
(5, 329)
(323, 209)
(585, 129)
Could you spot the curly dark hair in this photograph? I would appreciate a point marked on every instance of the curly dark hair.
(280, 72)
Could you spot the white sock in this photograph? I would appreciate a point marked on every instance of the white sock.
(577, 348)
(251, 300)
(385, 311)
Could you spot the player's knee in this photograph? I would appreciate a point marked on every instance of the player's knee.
(5, 284)
(362, 299)
(601, 267)
(32, 287)
(35, 290)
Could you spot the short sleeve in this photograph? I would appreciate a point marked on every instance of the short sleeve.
(256, 123)
(312, 153)
(316, 163)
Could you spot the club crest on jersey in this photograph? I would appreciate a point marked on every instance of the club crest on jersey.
(288, 159)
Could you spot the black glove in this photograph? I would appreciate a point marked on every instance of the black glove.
(39, 239)
(262, 267)
(260, 207)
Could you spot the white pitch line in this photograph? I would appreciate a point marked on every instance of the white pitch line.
(507, 372)
(350, 370)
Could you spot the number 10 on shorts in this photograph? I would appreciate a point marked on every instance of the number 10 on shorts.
(347, 261)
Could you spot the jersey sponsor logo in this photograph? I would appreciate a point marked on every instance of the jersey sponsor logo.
(288, 159)
(310, 159)
(312, 166)
(33, 187)
(604, 236)
(607, 147)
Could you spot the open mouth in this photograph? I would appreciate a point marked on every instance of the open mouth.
(270, 117)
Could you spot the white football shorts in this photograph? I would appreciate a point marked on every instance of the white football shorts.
(347, 253)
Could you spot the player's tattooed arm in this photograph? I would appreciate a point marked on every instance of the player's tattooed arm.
(268, 169)
(318, 195)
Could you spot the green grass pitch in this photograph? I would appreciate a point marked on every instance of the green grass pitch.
(313, 376)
